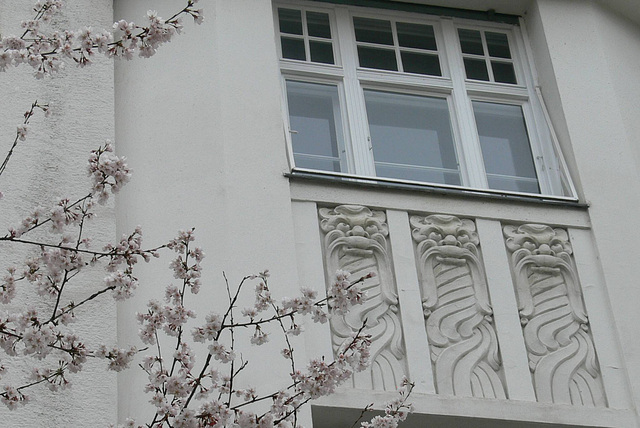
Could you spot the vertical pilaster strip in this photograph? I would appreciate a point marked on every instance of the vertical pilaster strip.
(420, 370)
(311, 273)
(601, 322)
(505, 311)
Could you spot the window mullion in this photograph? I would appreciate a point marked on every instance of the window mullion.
(487, 57)
(396, 45)
(467, 141)
(305, 36)
(359, 154)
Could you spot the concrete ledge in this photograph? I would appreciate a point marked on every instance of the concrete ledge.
(344, 407)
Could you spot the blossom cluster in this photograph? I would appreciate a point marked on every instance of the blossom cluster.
(64, 213)
(45, 51)
(173, 383)
(30, 334)
(343, 294)
(189, 274)
(47, 337)
(119, 359)
(396, 410)
(107, 171)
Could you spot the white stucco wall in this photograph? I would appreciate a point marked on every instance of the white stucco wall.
(201, 125)
(50, 165)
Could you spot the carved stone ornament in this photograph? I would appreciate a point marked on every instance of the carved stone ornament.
(462, 337)
(562, 356)
(355, 240)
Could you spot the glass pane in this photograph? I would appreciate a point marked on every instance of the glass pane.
(505, 147)
(314, 117)
(513, 184)
(476, 69)
(416, 36)
(503, 72)
(321, 52)
(290, 21)
(382, 59)
(411, 137)
(470, 41)
(421, 63)
(318, 25)
(373, 31)
(293, 48)
(497, 44)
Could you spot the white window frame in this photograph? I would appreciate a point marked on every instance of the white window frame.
(351, 81)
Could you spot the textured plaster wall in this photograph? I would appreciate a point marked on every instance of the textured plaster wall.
(594, 57)
(201, 125)
(52, 164)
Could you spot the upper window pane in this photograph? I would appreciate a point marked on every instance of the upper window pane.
(503, 72)
(420, 63)
(373, 31)
(506, 149)
(498, 45)
(382, 59)
(411, 137)
(470, 41)
(316, 127)
(290, 21)
(293, 48)
(321, 52)
(318, 25)
(416, 36)
(476, 69)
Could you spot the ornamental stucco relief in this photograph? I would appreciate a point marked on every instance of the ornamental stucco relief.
(457, 310)
(356, 240)
(562, 356)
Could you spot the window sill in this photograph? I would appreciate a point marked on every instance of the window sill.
(436, 189)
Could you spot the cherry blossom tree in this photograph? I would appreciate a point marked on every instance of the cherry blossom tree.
(181, 392)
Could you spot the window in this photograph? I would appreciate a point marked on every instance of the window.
(394, 96)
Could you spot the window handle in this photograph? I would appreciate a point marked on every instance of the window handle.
(293, 131)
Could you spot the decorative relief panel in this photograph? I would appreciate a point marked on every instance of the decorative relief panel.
(356, 240)
(562, 357)
(457, 311)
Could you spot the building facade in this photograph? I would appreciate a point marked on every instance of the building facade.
(481, 157)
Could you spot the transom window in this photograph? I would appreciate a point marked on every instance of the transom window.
(395, 96)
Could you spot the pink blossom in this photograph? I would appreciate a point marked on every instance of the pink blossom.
(259, 337)
(12, 398)
(22, 132)
(8, 286)
(221, 353)
(119, 359)
(210, 330)
(107, 170)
